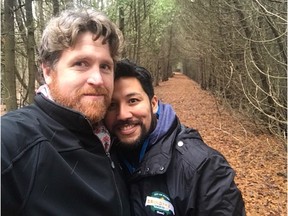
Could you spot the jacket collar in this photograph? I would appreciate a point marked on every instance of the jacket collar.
(71, 119)
(157, 159)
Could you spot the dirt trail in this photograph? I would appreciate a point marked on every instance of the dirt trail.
(258, 158)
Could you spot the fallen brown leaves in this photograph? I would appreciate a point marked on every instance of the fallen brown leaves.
(258, 157)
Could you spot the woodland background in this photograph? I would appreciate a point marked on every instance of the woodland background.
(258, 158)
(236, 49)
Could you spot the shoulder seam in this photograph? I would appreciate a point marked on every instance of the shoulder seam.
(18, 156)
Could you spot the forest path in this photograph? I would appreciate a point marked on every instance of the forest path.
(258, 158)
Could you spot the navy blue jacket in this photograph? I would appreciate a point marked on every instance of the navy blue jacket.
(181, 175)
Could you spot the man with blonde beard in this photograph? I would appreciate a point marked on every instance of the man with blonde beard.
(55, 152)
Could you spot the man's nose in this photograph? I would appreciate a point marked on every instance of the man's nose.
(124, 112)
(95, 77)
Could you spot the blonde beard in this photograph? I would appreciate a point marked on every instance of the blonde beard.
(94, 111)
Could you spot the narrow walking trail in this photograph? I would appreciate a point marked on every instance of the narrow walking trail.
(258, 158)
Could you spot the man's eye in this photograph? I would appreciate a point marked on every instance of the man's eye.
(133, 100)
(106, 67)
(80, 64)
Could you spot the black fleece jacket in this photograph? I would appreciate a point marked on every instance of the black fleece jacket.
(52, 164)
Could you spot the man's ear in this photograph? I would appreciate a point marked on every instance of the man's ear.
(47, 73)
(154, 103)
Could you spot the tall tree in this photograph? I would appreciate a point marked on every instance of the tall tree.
(30, 49)
(9, 84)
(55, 7)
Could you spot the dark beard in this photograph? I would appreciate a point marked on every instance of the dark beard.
(137, 143)
(132, 152)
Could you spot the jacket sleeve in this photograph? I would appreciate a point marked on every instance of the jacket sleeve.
(218, 193)
(16, 176)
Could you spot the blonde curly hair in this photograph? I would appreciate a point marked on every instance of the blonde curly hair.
(62, 32)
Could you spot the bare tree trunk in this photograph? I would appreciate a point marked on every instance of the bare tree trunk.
(55, 7)
(139, 33)
(168, 69)
(164, 69)
(135, 30)
(122, 25)
(203, 72)
(9, 84)
(157, 74)
(19, 16)
(32, 69)
(40, 15)
(39, 76)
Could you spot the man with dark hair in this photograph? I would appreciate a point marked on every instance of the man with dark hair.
(170, 170)
(55, 152)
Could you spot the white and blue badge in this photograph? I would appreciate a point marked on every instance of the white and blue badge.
(160, 203)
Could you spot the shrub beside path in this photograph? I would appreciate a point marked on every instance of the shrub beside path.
(258, 157)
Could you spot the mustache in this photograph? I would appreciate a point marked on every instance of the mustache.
(120, 123)
(93, 91)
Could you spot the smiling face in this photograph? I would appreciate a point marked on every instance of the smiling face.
(129, 116)
(83, 77)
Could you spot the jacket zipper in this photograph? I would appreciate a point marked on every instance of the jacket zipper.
(111, 161)
(113, 168)
(113, 174)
